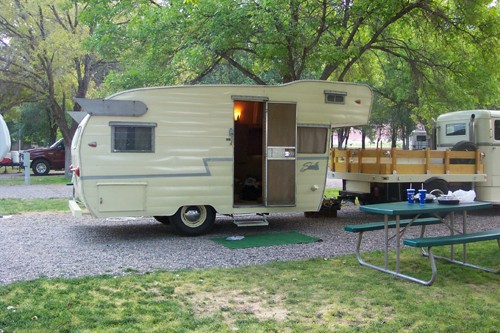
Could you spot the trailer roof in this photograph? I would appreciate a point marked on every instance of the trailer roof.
(466, 114)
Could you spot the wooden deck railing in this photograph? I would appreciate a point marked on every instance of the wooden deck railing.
(397, 161)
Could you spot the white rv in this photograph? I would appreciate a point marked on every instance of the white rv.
(418, 140)
(4, 138)
(184, 153)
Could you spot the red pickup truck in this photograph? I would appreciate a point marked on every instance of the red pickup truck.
(45, 159)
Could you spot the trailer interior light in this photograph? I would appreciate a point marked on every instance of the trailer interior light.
(237, 112)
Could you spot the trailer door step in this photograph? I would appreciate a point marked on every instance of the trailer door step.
(250, 220)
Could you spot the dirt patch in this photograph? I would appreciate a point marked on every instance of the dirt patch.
(232, 304)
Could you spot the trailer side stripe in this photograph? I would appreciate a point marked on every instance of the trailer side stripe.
(207, 172)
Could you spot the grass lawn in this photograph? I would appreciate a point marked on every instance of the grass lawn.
(321, 295)
(331, 192)
(10, 206)
(35, 180)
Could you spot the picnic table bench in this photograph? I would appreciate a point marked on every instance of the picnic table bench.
(430, 242)
(403, 208)
(360, 228)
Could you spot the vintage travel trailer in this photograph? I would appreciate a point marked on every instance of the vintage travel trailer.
(186, 153)
(4, 138)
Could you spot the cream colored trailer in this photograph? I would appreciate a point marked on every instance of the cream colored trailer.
(184, 153)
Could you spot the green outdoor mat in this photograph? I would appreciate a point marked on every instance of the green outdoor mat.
(270, 239)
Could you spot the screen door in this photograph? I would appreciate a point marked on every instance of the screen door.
(281, 138)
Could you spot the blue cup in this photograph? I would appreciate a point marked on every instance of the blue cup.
(410, 194)
(421, 195)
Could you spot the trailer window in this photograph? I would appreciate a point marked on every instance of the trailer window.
(497, 130)
(421, 138)
(335, 97)
(132, 137)
(312, 140)
(455, 129)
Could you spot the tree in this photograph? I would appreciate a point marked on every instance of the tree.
(36, 124)
(271, 41)
(42, 58)
(441, 71)
(421, 43)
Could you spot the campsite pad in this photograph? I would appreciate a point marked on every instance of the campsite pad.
(270, 239)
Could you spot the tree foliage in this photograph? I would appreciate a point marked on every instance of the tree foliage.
(41, 57)
(422, 57)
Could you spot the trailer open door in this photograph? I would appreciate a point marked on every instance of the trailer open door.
(265, 136)
(280, 154)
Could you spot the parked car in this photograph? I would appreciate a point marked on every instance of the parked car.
(45, 159)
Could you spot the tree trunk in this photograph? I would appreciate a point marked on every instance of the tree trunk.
(394, 137)
(363, 137)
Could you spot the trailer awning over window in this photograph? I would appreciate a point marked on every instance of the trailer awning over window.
(112, 107)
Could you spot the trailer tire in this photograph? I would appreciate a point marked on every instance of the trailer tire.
(193, 220)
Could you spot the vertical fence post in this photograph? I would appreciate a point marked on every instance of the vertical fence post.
(27, 163)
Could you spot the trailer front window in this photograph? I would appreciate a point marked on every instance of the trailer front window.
(132, 137)
(497, 130)
(455, 129)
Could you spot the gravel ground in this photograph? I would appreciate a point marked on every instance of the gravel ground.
(58, 245)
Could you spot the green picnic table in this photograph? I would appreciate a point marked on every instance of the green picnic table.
(421, 215)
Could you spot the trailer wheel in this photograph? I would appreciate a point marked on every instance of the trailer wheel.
(193, 220)
(40, 167)
(162, 219)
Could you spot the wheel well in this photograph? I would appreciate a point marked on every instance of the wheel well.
(38, 159)
(436, 183)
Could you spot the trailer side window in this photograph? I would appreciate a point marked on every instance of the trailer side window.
(312, 140)
(335, 97)
(497, 130)
(132, 137)
(455, 129)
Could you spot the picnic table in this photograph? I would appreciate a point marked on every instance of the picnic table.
(422, 215)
